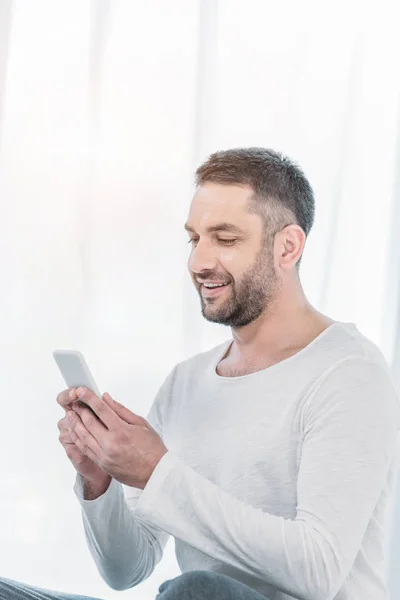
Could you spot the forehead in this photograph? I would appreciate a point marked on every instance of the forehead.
(214, 202)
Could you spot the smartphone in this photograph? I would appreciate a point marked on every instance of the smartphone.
(75, 371)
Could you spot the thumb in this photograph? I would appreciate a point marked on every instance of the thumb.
(124, 413)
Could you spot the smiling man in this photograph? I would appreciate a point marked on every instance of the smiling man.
(271, 458)
(248, 223)
(238, 245)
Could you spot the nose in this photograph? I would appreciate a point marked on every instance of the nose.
(202, 257)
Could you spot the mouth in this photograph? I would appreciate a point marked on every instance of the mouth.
(208, 292)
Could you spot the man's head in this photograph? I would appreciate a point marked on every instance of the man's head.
(248, 221)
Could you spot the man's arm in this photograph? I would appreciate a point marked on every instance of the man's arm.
(90, 491)
(351, 423)
(124, 547)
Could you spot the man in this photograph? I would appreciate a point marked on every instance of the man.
(270, 458)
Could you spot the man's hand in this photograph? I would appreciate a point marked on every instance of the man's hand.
(90, 471)
(121, 443)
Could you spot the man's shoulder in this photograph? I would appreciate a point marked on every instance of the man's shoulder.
(346, 342)
(353, 365)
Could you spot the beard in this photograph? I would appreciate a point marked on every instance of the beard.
(248, 298)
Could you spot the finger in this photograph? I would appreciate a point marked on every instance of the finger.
(65, 437)
(64, 429)
(91, 422)
(66, 397)
(123, 412)
(83, 449)
(101, 408)
(87, 451)
(63, 424)
(79, 432)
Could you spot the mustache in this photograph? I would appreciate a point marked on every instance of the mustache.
(212, 279)
(210, 276)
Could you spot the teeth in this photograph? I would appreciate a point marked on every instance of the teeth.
(214, 285)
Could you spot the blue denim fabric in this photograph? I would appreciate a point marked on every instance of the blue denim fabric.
(206, 585)
(193, 585)
(15, 590)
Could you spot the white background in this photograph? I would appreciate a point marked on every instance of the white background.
(106, 109)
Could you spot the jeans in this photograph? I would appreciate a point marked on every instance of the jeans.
(192, 585)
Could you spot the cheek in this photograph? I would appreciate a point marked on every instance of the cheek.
(232, 264)
(228, 256)
(233, 260)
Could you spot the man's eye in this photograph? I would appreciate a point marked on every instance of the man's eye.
(227, 241)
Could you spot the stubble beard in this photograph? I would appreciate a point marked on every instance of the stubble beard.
(248, 298)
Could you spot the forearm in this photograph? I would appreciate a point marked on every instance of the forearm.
(348, 454)
(123, 549)
(91, 491)
(305, 557)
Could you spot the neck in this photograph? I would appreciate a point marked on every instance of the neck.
(289, 322)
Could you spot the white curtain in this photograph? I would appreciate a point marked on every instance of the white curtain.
(106, 109)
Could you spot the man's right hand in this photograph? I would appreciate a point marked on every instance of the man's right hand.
(96, 480)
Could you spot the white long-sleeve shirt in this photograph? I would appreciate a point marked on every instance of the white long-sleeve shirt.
(281, 478)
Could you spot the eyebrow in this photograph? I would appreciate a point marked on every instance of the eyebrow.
(229, 227)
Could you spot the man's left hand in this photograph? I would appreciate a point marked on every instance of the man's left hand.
(122, 443)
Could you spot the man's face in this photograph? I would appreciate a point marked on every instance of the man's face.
(228, 247)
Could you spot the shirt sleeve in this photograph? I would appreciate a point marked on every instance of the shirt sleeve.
(124, 547)
(351, 421)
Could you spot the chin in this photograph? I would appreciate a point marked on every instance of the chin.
(214, 316)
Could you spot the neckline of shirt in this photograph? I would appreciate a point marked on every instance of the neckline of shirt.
(277, 365)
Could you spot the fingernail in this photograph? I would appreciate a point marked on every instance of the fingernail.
(72, 394)
(81, 392)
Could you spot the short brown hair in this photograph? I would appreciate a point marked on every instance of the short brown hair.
(282, 193)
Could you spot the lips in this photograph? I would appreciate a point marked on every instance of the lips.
(210, 284)
(215, 291)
